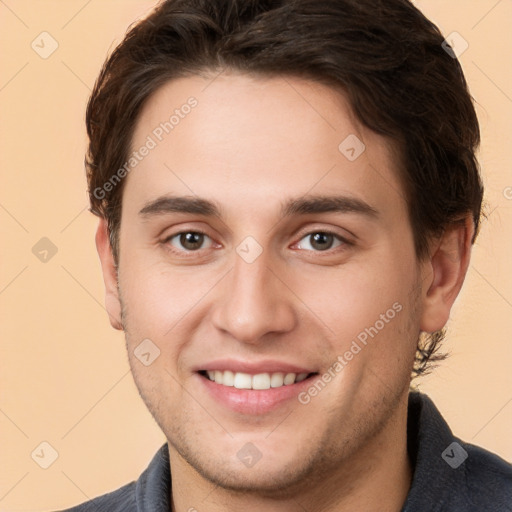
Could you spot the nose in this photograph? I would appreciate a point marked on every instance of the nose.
(253, 302)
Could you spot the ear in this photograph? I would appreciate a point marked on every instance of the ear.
(109, 270)
(448, 264)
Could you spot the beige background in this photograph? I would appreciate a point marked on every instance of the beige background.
(64, 374)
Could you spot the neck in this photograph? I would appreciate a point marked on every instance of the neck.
(376, 479)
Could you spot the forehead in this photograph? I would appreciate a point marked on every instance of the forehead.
(257, 139)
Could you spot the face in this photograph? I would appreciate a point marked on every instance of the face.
(270, 262)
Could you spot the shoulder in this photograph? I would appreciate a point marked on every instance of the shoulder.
(488, 479)
(449, 473)
(120, 500)
(152, 489)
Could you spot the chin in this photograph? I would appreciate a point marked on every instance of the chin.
(276, 472)
(270, 480)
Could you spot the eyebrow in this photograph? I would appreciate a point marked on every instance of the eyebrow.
(302, 206)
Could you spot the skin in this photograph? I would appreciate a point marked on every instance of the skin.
(250, 144)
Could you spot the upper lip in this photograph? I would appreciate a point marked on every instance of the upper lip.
(253, 367)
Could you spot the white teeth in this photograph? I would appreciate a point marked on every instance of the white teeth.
(289, 378)
(228, 378)
(259, 381)
(276, 380)
(243, 381)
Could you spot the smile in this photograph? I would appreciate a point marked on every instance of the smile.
(259, 381)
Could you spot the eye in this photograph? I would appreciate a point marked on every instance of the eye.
(189, 240)
(193, 241)
(322, 241)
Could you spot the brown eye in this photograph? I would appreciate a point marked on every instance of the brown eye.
(188, 240)
(191, 241)
(321, 241)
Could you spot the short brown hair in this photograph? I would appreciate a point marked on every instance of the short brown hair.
(385, 55)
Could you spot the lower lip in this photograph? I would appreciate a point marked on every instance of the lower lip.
(250, 401)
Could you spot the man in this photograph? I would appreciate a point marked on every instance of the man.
(288, 196)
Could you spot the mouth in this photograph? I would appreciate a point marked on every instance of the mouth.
(253, 387)
(258, 382)
(248, 389)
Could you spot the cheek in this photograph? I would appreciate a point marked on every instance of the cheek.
(371, 314)
(161, 303)
(349, 299)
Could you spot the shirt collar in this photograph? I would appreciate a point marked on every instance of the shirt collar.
(153, 490)
(430, 444)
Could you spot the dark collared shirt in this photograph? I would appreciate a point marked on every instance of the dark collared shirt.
(449, 475)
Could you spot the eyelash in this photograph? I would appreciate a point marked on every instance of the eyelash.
(188, 253)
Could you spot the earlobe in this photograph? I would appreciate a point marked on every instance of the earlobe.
(449, 262)
(112, 302)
